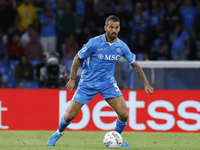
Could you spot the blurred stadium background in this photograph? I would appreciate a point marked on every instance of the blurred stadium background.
(155, 30)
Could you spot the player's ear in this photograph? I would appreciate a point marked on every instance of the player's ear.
(105, 27)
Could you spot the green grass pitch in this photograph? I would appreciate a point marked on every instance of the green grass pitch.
(79, 140)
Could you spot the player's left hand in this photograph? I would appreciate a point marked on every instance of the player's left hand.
(149, 89)
(70, 85)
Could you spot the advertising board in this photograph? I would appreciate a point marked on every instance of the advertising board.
(41, 109)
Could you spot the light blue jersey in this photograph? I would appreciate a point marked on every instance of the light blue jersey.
(100, 58)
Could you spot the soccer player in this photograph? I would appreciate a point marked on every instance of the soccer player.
(100, 55)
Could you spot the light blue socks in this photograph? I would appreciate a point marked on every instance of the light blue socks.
(63, 124)
(120, 125)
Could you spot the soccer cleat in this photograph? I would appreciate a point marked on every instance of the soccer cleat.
(124, 144)
(54, 138)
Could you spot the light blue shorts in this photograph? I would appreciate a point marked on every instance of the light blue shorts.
(84, 95)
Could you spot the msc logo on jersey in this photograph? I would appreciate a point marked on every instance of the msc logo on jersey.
(112, 57)
(109, 57)
(84, 49)
(100, 56)
(118, 50)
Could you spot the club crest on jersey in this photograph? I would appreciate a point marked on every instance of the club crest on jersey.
(100, 56)
(118, 50)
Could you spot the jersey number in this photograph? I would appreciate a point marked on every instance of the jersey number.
(115, 85)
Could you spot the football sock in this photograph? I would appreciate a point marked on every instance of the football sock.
(63, 124)
(120, 125)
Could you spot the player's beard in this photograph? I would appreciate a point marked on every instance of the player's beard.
(112, 36)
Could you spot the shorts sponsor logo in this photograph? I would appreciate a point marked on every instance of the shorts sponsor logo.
(77, 96)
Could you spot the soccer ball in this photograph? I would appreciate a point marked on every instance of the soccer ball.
(112, 139)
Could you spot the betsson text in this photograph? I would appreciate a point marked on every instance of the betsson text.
(133, 104)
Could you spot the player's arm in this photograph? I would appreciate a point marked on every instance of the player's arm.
(75, 65)
(140, 73)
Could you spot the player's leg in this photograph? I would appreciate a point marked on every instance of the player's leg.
(71, 113)
(119, 106)
(112, 94)
(81, 96)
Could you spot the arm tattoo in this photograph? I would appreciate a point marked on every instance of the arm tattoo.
(140, 73)
(75, 65)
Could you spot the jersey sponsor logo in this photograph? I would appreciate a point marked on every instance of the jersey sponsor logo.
(84, 49)
(100, 56)
(118, 50)
(112, 57)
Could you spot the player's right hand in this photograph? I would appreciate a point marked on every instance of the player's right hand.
(70, 85)
(149, 89)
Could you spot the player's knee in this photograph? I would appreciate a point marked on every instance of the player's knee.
(69, 117)
(124, 117)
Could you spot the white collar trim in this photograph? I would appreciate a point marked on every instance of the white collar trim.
(110, 43)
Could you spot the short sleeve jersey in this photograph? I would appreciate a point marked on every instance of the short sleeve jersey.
(100, 58)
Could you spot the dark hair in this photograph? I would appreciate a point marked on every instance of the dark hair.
(112, 18)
